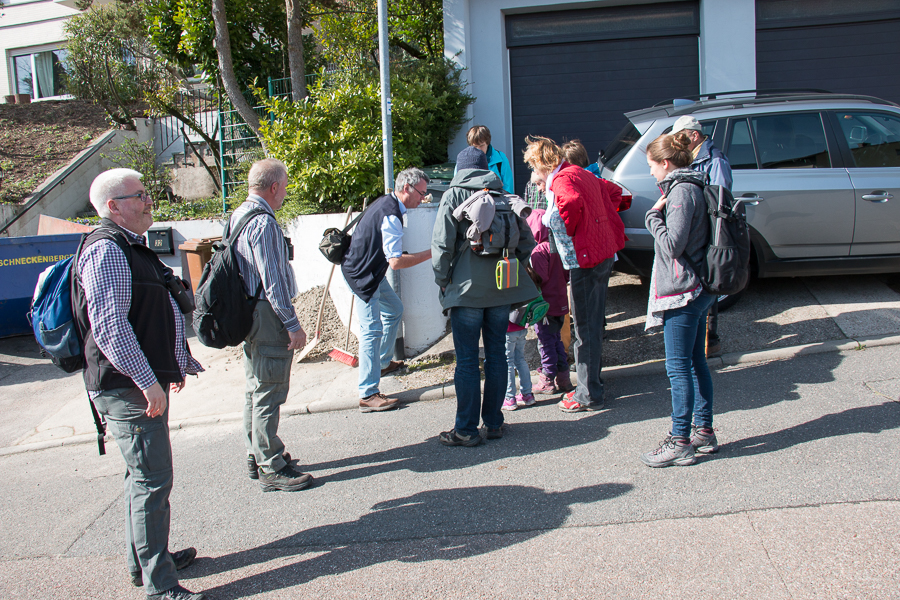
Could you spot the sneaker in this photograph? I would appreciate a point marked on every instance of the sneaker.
(570, 405)
(182, 560)
(288, 479)
(492, 434)
(564, 382)
(452, 438)
(674, 450)
(253, 468)
(525, 399)
(544, 385)
(177, 593)
(509, 403)
(377, 403)
(703, 439)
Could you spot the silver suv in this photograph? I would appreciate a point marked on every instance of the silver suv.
(819, 172)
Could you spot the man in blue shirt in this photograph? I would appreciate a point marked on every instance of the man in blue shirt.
(377, 244)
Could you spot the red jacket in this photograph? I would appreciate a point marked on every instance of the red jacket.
(587, 206)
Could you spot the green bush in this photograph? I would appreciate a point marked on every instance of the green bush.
(331, 142)
(142, 158)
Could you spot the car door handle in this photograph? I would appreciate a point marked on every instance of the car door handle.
(878, 196)
(750, 199)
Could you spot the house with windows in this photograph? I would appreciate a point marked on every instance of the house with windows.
(32, 43)
(570, 69)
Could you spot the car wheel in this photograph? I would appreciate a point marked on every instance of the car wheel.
(726, 301)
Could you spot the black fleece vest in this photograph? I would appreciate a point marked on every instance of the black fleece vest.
(364, 265)
(151, 316)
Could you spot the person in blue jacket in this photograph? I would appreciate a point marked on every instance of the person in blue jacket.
(479, 136)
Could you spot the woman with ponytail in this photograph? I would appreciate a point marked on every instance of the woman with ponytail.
(680, 227)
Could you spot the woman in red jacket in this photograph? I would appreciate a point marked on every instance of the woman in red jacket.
(588, 232)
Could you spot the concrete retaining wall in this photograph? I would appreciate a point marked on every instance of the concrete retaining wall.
(67, 190)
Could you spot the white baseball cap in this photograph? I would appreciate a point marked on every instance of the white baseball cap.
(686, 122)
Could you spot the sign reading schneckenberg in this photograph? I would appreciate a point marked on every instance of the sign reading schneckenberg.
(32, 260)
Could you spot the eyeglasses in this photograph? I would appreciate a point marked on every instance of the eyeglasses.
(144, 196)
(421, 194)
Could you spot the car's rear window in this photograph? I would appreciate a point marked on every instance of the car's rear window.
(619, 147)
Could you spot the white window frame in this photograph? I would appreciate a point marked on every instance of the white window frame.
(11, 69)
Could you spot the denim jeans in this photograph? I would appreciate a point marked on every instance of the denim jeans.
(589, 302)
(470, 324)
(515, 361)
(145, 446)
(684, 330)
(379, 323)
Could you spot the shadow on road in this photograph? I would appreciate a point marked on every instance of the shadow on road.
(427, 526)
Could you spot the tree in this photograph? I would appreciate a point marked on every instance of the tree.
(294, 10)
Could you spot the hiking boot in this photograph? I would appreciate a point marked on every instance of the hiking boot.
(452, 438)
(177, 593)
(564, 382)
(674, 450)
(253, 468)
(394, 365)
(288, 479)
(703, 439)
(182, 560)
(544, 385)
(525, 399)
(509, 403)
(570, 405)
(377, 403)
(492, 434)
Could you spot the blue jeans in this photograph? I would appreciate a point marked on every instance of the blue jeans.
(470, 324)
(515, 361)
(379, 322)
(684, 330)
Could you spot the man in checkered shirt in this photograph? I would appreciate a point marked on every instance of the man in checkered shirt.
(134, 354)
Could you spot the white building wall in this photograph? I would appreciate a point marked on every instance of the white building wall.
(475, 37)
(33, 26)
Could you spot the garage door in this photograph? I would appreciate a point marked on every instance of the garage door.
(573, 74)
(847, 47)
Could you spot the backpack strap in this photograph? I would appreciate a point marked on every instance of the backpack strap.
(232, 236)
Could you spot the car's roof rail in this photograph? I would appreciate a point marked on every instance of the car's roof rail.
(763, 93)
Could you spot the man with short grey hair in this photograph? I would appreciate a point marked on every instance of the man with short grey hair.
(377, 244)
(135, 353)
(263, 260)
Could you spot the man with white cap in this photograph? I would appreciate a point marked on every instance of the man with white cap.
(707, 159)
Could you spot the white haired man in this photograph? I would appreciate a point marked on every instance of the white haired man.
(377, 244)
(134, 353)
(710, 160)
(269, 347)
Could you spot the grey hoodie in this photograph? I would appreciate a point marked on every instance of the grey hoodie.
(468, 279)
(683, 228)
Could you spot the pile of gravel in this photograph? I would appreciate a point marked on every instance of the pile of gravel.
(333, 331)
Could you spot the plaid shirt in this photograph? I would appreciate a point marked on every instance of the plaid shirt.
(106, 278)
(262, 254)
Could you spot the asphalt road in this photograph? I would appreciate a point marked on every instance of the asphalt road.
(801, 502)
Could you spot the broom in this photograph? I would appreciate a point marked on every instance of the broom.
(344, 355)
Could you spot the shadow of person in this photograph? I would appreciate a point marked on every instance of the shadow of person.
(862, 419)
(432, 525)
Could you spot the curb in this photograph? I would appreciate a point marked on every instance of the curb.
(446, 390)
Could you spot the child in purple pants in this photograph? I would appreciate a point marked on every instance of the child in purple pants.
(553, 376)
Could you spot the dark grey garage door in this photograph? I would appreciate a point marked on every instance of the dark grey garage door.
(566, 89)
(846, 47)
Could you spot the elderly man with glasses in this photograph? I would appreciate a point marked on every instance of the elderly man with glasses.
(378, 244)
(135, 352)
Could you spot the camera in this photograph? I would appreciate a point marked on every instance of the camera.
(180, 291)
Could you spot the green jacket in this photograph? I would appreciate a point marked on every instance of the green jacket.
(467, 279)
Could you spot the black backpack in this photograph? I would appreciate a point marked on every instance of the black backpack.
(725, 268)
(224, 313)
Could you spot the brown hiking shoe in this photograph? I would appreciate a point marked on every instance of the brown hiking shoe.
(377, 403)
(394, 365)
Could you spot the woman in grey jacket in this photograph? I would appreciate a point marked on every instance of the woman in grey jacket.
(680, 228)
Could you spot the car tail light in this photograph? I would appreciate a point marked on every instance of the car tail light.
(625, 203)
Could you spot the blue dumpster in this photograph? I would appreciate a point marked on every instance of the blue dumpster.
(22, 259)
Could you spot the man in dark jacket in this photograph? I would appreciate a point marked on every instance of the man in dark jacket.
(468, 284)
(134, 353)
(710, 160)
(377, 244)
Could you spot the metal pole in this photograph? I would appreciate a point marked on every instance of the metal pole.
(387, 144)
